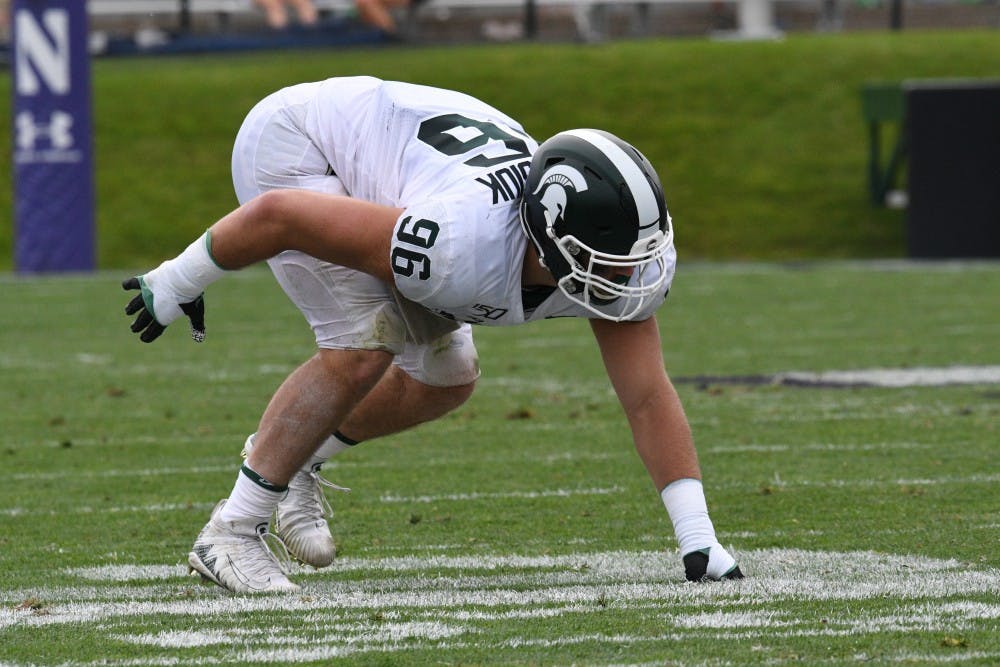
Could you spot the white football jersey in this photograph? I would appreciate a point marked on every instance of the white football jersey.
(458, 167)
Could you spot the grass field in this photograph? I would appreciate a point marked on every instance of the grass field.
(521, 529)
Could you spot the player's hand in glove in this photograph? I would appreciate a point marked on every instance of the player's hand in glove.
(158, 307)
(172, 289)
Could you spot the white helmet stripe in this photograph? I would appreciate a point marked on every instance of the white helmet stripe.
(642, 191)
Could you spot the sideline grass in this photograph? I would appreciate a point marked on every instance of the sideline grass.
(761, 145)
(521, 529)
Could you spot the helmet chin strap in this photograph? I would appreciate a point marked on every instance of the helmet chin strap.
(534, 271)
(522, 216)
(585, 297)
(605, 297)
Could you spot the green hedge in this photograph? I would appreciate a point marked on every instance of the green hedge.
(761, 145)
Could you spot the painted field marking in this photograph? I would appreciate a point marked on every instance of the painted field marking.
(474, 496)
(115, 509)
(898, 377)
(449, 602)
(866, 377)
(169, 471)
(549, 493)
(553, 458)
(817, 447)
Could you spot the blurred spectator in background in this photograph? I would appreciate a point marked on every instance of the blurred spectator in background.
(378, 13)
(277, 13)
(4, 21)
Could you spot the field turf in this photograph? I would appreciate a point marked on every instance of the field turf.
(521, 529)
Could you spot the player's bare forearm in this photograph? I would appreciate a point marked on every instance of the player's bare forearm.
(663, 439)
(341, 230)
(662, 435)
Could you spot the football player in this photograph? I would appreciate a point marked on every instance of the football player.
(395, 216)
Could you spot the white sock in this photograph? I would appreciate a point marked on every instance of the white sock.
(685, 503)
(252, 496)
(334, 444)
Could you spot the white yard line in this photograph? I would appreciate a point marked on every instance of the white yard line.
(169, 471)
(817, 447)
(547, 493)
(779, 573)
(897, 377)
(893, 378)
(447, 602)
(115, 509)
(474, 496)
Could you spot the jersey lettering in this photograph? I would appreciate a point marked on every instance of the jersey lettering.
(507, 183)
(454, 134)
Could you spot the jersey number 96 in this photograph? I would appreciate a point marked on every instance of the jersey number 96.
(419, 236)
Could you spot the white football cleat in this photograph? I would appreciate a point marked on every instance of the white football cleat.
(300, 519)
(236, 556)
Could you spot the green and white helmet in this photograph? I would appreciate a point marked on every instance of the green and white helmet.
(595, 211)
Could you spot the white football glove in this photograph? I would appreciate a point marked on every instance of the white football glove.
(172, 289)
(157, 306)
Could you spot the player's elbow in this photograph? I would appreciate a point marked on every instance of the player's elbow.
(272, 206)
(272, 214)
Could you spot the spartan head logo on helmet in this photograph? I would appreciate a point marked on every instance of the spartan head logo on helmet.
(552, 187)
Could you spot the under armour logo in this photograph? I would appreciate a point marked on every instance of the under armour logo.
(58, 130)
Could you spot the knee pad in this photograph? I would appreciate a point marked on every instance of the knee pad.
(449, 361)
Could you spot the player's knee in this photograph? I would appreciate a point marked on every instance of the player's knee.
(456, 395)
(356, 370)
(437, 401)
(453, 366)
